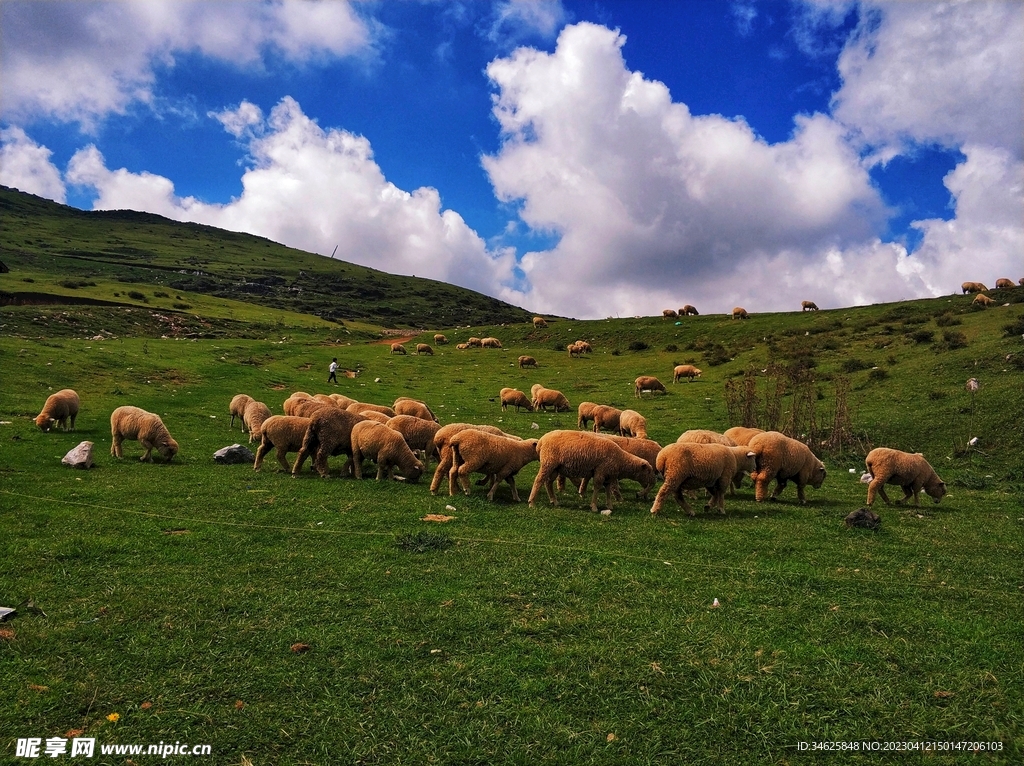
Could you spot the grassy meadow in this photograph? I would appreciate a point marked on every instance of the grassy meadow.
(175, 594)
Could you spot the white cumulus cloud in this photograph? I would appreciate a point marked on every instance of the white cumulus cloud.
(313, 189)
(26, 165)
(78, 62)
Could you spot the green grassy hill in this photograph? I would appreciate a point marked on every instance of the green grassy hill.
(174, 593)
(102, 257)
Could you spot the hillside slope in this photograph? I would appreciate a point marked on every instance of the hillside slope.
(59, 254)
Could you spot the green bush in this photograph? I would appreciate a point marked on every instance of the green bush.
(638, 345)
(136, 295)
(854, 365)
(947, 320)
(878, 374)
(952, 340)
(922, 336)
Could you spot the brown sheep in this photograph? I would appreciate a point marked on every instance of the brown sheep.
(742, 435)
(461, 346)
(474, 342)
(398, 348)
(293, 401)
(490, 343)
(405, 406)
(648, 383)
(549, 397)
(418, 434)
(669, 314)
(376, 417)
(632, 423)
(59, 408)
(305, 408)
(583, 455)
(387, 448)
(740, 313)
(444, 450)
(782, 458)
(973, 287)
(253, 417)
(647, 449)
(574, 350)
(689, 466)
(687, 371)
(584, 346)
(341, 400)
(134, 423)
(703, 436)
(513, 397)
(440, 339)
(606, 418)
(497, 457)
(585, 413)
(904, 469)
(688, 311)
(527, 361)
(1004, 284)
(982, 300)
(329, 433)
(283, 433)
(539, 322)
(424, 348)
(360, 407)
(237, 409)
(808, 306)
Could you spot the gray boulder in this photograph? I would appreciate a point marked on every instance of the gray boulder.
(80, 456)
(236, 453)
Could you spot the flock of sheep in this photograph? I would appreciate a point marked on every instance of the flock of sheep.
(404, 437)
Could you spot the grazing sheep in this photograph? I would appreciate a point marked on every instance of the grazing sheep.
(513, 397)
(136, 424)
(253, 418)
(293, 401)
(490, 343)
(444, 450)
(703, 436)
(418, 434)
(782, 458)
(405, 406)
(534, 389)
(690, 466)
(742, 435)
(398, 348)
(283, 433)
(740, 313)
(341, 400)
(424, 348)
(360, 407)
(237, 409)
(648, 383)
(632, 423)
(1004, 283)
(539, 322)
(549, 397)
(461, 346)
(497, 457)
(440, 339)
(304, 408)
(808, 306)
(585, 413)
(687, 371)
(606, 418)
(376, 417)
(647, 449)
(387, 448)
(688, 311)
(583, 455)
(527, 361)
(574, 350)
(474, 342)
(973, 287)
(904, 469)
(983, 300)
(669, 314)
(59, 408)
(329, 433)
(584, 347)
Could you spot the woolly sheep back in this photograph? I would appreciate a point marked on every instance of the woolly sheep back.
(908, 470)
(136, 424)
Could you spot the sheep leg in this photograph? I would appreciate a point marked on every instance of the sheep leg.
(909, 490)
(320, 462)
(780, 484)
(544, 479)
(115, 445)
(444, 465)
(357, 463)
(147, 456)
(72, 428)
(800, 493)
(761, 481)
(659, 499)
(282, 458)
(260, 452)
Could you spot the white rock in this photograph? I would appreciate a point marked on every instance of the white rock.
(80, 456)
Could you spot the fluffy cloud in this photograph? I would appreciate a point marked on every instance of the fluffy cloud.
(948, 73)
(655, 205)
(518, 19)
(314, 189)
(80, 61)
(26, 165)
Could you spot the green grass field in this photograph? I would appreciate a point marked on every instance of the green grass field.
(174, 592)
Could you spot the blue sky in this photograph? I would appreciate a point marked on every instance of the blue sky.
(579, 158)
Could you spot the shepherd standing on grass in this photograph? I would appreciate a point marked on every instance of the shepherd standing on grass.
(334, 371)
